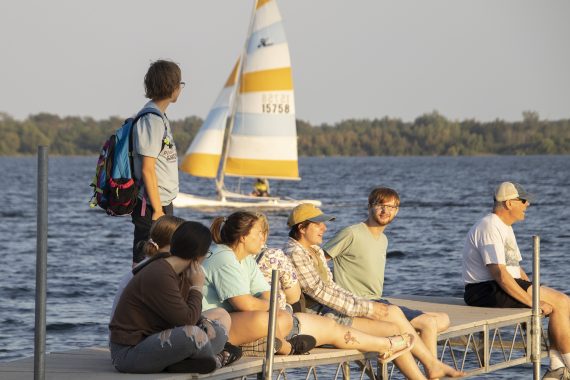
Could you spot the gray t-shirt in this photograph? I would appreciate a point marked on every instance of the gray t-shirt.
(359, 260)
(148, 135)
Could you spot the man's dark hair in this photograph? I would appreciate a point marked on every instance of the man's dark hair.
(162, 79)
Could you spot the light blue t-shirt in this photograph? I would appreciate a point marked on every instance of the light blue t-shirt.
(226, 277)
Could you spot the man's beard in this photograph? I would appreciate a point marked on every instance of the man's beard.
(382, 223)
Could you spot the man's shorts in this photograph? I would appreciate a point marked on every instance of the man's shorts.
(490, 294)
(325, 311)
(408, 313)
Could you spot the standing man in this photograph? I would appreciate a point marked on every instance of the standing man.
(154, 153)
(494, 278)
(359, 256)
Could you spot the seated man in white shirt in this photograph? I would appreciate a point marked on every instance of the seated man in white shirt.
(494, 278)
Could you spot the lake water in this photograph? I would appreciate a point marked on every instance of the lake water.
(441, 198)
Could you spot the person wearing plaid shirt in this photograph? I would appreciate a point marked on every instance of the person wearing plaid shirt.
(324, 297)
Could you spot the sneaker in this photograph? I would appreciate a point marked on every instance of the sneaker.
(561, 373)
(301, 344)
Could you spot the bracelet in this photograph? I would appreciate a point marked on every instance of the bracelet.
(198, 288)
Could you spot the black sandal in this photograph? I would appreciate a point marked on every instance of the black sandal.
(301, 344)
(229, 354)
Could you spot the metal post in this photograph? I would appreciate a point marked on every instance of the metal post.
(268, 364)
(536, 328)
(41, 265)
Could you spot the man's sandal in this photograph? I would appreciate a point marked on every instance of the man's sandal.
(399, 344)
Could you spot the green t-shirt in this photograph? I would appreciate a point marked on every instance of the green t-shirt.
(359, 260)
(226, 277)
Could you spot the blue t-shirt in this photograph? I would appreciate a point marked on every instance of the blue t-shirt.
(226, 277)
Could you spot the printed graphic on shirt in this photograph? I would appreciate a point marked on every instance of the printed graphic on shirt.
(511, 257)
(169, 153)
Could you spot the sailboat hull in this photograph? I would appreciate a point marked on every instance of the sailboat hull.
(184, 200)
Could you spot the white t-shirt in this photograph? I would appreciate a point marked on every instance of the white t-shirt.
(490, 241)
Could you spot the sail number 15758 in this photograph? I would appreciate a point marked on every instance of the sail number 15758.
(275, 103)
(275, 108)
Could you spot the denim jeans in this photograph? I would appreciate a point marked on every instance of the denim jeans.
(160, 350)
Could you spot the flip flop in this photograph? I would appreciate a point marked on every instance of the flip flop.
(398, 346)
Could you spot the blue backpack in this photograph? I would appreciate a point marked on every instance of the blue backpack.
(115, 189)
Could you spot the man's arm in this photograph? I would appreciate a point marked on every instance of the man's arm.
(500, 274)
(339, 244)
(151, 186)
(524, 275)
(510, 286)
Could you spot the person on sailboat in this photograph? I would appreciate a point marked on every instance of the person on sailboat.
(324, 297)
(155, 160)
(158, 325)
(235, 283)
(359, 256)
(327, 330)
(261, 188)
(493, 275)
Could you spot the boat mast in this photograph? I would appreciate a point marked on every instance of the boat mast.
(231, 121)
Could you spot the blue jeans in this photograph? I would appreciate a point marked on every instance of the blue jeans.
(160, 350)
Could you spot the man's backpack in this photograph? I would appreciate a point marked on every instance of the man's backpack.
(115, 187)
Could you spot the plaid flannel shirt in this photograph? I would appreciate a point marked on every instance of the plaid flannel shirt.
(325, 292)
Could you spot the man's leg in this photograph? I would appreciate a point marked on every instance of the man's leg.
(429, 325)
(434, 368)
(143, 223)
(559, 323)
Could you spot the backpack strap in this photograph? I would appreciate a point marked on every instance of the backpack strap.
(142, 113)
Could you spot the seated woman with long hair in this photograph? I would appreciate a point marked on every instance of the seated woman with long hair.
(157, 324)
(234, 282)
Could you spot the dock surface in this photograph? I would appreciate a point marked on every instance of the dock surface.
(479, 340)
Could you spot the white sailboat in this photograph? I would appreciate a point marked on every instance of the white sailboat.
(250, 130)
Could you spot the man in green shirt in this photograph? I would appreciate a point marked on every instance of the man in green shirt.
(359, 256)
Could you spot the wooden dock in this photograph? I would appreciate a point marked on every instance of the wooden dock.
(480, 340)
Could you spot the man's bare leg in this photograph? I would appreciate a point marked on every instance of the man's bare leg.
(433, 367)
(559, 323)
(428, 326)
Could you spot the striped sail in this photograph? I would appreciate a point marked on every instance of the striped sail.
(263, 140)
(203, 156)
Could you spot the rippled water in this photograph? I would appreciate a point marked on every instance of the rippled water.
(441, 198)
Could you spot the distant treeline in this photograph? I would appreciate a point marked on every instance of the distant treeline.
(430, 134)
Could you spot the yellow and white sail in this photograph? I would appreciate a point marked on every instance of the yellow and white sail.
(263, 141)
(263, 136)
(202, 158)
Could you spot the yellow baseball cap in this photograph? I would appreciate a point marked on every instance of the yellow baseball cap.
(307, 211)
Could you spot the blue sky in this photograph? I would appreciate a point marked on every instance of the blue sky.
(351, 59)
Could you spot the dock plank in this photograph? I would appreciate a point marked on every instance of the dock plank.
(95, 363)
(462, 317)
